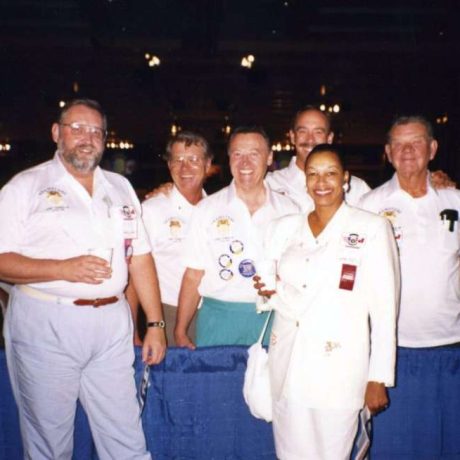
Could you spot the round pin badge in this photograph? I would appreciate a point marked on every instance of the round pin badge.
(225, 260)
(247, 268)
(226, 274)
(236, 247)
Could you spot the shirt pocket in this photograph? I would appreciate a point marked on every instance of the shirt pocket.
(448, 235)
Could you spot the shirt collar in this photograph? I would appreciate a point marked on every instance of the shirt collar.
(294, 171)
(395, 187)
(60, 172)
(232, 195)
(338, 220)
(180, 199)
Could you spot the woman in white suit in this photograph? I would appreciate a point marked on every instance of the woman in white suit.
(332, 348)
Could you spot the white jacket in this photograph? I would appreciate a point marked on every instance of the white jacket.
(329, 341)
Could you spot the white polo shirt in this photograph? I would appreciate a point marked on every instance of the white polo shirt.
(47, 214)
(429, 251)
(290, 181)
(166, 219)
(226, 242)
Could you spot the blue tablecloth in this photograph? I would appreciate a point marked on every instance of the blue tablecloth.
(195, 410)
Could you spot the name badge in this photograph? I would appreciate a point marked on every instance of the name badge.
(129, 222)
(348, 276)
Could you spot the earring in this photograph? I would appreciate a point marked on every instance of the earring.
(346, 187)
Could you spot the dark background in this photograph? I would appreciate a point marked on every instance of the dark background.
(374, 59)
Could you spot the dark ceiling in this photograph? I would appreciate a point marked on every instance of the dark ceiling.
(375, 59)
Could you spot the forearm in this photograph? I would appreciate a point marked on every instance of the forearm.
(133, 302)
(189, 298)
(18, 269)
(144, 283)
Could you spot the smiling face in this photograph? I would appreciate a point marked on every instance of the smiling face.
(188, 166)
(80, 148)
(310, 129)
(249, 158)
(410, 149)
(325, 178)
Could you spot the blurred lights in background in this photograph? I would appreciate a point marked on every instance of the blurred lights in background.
(152, 60)
(248, 61)
(331, 108)
(278, 147)
(442, 120)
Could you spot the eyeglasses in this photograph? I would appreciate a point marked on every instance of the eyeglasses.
(192, 160)
(79, 129)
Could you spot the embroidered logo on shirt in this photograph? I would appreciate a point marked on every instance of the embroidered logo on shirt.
(331, 346)
(55, 198)
(175, 227)
(222, 228)
(392, 215)
(223, 225)
(354, 240)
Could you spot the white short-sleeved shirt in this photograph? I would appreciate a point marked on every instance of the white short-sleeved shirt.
(226, 242)
(290, 181)
(166, 219)
(429, 248)
(47, 214)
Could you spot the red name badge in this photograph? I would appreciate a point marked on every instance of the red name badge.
(347, 278)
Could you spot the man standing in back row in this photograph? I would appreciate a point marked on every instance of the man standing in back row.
(72, 235)
(309, 128)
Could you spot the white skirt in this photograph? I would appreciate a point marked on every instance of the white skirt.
(302, 433)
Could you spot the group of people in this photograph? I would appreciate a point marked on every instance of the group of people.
(357, 272)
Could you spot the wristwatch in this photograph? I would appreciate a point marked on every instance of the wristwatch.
(161, 324)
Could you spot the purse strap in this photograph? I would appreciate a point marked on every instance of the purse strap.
(264, 329)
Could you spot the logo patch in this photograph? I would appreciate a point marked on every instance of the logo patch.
(354, 240)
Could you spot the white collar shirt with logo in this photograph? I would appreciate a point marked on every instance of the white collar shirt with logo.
(328, 288)
(429, 253)
(47, 214)
(226, 242)
(290, 181)
(166, 219)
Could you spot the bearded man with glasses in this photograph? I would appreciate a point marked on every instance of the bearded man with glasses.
(68, 329)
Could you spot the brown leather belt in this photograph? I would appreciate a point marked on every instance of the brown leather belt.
(96, 302)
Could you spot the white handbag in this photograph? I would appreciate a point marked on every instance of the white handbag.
(256, 387)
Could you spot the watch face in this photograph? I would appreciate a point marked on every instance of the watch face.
(161, 324)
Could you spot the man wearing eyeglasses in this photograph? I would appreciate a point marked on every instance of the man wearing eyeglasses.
(72, 235)
(166, 219)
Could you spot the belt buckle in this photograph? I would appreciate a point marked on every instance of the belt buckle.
(97, 303)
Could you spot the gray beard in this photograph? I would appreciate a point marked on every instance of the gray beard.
(83, 166)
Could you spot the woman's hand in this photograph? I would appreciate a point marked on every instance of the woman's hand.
(376, 398)
(260, 287)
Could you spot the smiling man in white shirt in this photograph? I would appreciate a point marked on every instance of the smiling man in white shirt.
(310, 127)
(426, 228)
(68, 330)
(224, 246)
(167, 216)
